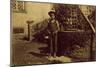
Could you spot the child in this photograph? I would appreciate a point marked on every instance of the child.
(53, 28)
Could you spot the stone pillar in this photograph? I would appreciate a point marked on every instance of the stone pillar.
(29, 29)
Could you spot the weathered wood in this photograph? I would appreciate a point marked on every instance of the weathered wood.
(88, 21)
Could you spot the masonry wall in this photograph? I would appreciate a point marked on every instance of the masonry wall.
(34, 11)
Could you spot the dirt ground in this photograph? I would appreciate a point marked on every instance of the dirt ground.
(27, 52)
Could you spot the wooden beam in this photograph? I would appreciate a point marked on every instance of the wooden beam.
(92, 27)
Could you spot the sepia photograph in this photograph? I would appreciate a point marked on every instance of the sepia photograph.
(52, 33)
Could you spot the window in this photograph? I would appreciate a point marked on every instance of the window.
(18, 30)
(18, 6)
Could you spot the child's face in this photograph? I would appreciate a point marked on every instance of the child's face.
(52, 16)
